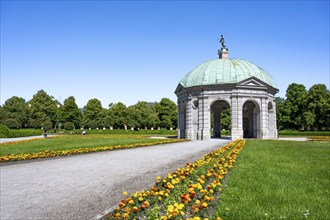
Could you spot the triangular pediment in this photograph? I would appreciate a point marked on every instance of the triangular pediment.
(178, 88)
(252, 82)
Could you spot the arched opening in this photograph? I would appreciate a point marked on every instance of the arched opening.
(182, 120)
(251, 120)
(271, 120)
(220, 117)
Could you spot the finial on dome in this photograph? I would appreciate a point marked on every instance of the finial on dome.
(223, 52)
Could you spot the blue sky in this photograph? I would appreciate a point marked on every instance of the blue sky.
(133, 51)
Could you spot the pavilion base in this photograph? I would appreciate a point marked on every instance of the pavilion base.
(236, 134)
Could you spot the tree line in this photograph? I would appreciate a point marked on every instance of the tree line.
(304, 109)
(46, 112)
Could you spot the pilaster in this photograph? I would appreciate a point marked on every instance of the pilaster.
(264, 118)
(236, 118)
(203, 132)
(189, 126)
(275, 122)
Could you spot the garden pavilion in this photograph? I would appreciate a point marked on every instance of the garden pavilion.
(219, 84)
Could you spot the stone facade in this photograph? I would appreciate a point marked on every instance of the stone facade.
(252, 104)
(224, 83)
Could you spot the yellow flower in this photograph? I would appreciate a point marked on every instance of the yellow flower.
(125, 193)
(127, 209)
(170, 208)
(131, 201)
(146, 204)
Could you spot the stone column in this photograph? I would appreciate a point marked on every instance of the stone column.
(207, 121)
(275, 124)
(257, 123)
(264, 128)
(271, 124)
(203, 118)
(272, 121)
(236, 118)
(189, 125)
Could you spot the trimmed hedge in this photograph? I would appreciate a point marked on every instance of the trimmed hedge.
(304, 133)
(23, 133)
(4, 131)
(68, 126)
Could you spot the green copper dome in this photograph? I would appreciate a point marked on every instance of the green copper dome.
(223, 71)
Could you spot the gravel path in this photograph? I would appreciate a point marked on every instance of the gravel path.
(83, 186)
(3, 140)
(293, 138)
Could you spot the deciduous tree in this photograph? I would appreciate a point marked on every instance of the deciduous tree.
(296, 104)
(93, 113)
(318, 107)
(119, 112)
(69, 112)
(16, 108)
(167, 113)
(43, 107)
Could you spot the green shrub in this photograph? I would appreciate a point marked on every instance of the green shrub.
(4, 131)
(225, 132)
(69, 126)
(92, 124)
(47, 125)
(12, 123)
(24, 133)
(35, 123)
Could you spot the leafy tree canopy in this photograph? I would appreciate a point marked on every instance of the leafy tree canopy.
(17, 109)
(69, 112)
(119, 111)
(43, 107)
(167, 113)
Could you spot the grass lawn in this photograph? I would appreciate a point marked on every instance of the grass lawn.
(278, 180)
(67, 142)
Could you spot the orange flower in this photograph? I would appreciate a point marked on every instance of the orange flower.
(146, 204)
(135, 209)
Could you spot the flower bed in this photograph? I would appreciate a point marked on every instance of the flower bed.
(188, 193)
(23, 141)
(51, 153)
(318, 138)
